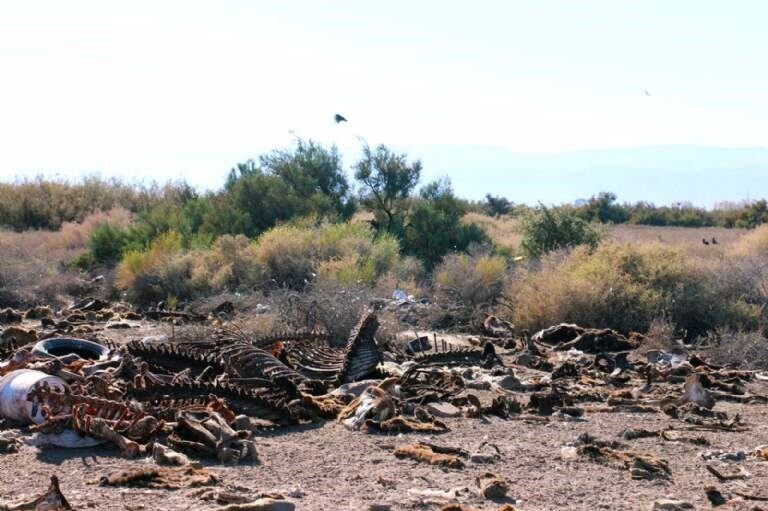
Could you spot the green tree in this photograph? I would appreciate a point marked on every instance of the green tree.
(603, 208)
(315, 174)
(106, 243)
(546, 229)
(387, 181)
(434, 226)
(496, 205)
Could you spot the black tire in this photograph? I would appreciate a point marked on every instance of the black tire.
(60, 346)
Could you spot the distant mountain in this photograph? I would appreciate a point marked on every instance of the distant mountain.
(663, 175)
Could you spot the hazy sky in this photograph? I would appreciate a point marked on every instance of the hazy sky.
(166, 89)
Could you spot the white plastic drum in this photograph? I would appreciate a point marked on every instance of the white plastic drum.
(14, 388)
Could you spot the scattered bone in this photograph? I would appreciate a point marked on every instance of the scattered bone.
(694, 392)
(208, 434)
(374, 404)
(51, 500)
(459, 507)
(750, 496)
(741, 473)
(263, 504)
(640, 465)
(401, 424)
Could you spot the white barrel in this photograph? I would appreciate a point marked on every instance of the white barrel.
(14, 388)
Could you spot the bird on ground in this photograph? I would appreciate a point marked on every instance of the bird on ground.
(647, 93)
(339, 118)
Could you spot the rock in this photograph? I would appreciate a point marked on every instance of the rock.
(9, 316)
(483, 384)
(443, 409)
(671, 505)
(296, 493)
(262, 309)
(39, 312)
(715, 496)
(569, 453)
(242, 423)
(19, 336)
(482, 458)
(167, 456)
(225, 307)
(508, 382)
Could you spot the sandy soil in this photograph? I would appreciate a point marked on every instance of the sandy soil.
(337, 469)
(325, 466)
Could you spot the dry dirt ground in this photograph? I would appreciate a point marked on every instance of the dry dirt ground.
(326, 467)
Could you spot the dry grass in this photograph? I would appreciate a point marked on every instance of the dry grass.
(687, 239)
(753, 243)
(502, 230)
(33, 264)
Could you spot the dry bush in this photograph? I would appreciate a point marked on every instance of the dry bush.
(286, 253)
(469, 283)
(742, 349)
(408, 276)
(349, 253)
(661, 335)
(289, 256)
(160, 271)
(626, 287)
(326, 304)
(229, 265)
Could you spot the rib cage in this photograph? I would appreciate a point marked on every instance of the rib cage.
(358, 358)
(164, 399)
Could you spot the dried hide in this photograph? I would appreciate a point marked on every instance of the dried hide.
(426, 453)
(163, 478)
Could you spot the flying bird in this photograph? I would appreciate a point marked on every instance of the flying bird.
(339, 118)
